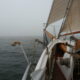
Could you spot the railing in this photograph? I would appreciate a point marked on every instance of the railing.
(29, 64)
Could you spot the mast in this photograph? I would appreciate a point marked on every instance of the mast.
(45, 40)
(65, 16)
(72, 18)
(69, 11)
(57, 11)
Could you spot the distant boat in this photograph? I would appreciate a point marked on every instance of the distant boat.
(60, 59)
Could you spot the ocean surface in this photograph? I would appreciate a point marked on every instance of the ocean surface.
(12, 61)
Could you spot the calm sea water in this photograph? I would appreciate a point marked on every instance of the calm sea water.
(12, 61)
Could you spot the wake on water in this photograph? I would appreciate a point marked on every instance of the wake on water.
(12, 61)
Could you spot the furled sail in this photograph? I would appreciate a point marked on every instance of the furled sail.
(57, 11)
(72, 22)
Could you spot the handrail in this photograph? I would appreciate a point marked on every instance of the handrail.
(26, 72)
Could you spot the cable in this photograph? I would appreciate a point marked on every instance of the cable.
(24, 54)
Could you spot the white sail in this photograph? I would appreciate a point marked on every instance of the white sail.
(57, 11)
(72, 22)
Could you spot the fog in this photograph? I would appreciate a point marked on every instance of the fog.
(23, 17)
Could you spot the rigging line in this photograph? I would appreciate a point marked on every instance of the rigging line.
(26, 57)
(71, 18)
(59, 6)
(54, 27)
(69, 24)
(54, 30)
(65, 15)
(45, 40)
(70, 27)
(79, 5)
(70, 30)
(49, 14)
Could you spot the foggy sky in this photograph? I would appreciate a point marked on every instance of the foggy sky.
(23, 17)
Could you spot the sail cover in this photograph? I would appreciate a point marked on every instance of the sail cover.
(72, 22)
(57, 11)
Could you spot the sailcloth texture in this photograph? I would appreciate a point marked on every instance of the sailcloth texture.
(72, 22)
(58, 10)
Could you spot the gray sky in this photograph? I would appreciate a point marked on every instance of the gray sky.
(23, 17)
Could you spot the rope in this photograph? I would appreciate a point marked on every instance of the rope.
(24, 54)
(69, 23)
(65, 15)
(45, 40)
